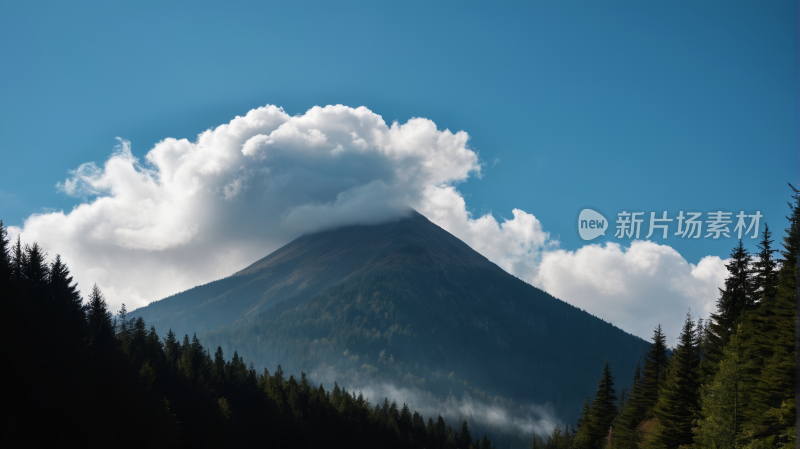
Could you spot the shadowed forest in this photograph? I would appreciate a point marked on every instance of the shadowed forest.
(96, 380)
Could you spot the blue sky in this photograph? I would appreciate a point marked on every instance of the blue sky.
(644, 106)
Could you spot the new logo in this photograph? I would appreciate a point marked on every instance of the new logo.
(591, 224)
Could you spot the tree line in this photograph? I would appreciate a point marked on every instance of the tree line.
(729, 383)
(82, 376)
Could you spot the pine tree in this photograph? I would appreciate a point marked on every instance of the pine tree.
(17, 262)
(485, 443)
(559, 439)
(678, 401)
(35, 274)
(765, 279)
(464, 436)
(65, 313)
(583, 420)
(5, 263)
(101, 337)
(604, 409)
(439, 436)
(220, 366)
(791, 241)
(34, 295)
(538, 442)
(770, 348)
(67, 299)
(631, 414)
(655, 369)
(734, 300)
(172, 348)
(722, 399)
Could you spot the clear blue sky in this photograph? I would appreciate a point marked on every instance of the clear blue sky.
(617, 105)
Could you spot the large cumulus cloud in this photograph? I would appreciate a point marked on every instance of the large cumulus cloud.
(635, 288)
(192, 212)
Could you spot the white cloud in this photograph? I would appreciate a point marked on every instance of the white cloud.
(635, 288)
(192, 212)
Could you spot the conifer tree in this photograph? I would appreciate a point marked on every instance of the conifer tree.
(5, 263)
(538, 442)
(765, 279)
(630, 415)
(464, 436)
(583, 436)
(17, 262)
(791, 241)
(220, 366)
(64, 291)
(66, 313)
(439, 436)
(559, 439)
(99, 326)
(701, 336)
(678, 401)
(172, 347)
(604, 409)
(722, 399)
(762, 328)
(737, 297)
(655, 369)
(772, 346)
(35, 274)
(34, 295)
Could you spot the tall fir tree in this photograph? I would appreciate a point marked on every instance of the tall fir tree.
(35, 274)
(773, 346)
(464, 436)
(596, 419)
(66, 315)
(538, 442)
(765, 272)
(5, 264)
(722, 400)
(736, 298)
(655, 370)
(584, 427)
(100, 329)
(791, 241)
(632, 412)
(604, 408)
(67, 298)
(762, 328)
(677, 405)
(560, 439)
(17, 262)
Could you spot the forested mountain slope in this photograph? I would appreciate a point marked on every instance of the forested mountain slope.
(404, 302)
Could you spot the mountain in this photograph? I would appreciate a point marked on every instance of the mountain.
(408, 304)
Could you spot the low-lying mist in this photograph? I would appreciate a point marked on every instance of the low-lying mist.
(502, 419)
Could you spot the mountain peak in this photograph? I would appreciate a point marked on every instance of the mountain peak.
(410, 288)
(311, 263)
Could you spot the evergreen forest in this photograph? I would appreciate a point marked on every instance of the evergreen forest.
(88, 378)
(729, 383)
